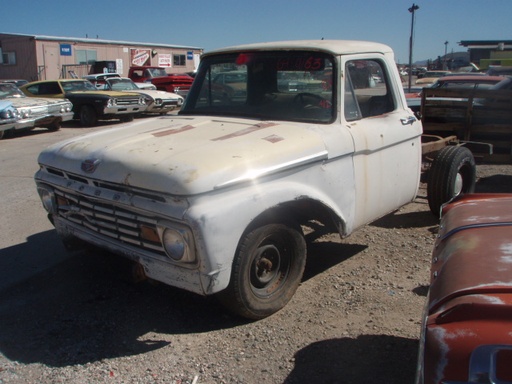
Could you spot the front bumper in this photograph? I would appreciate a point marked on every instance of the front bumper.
(155, 266)
(124, 109)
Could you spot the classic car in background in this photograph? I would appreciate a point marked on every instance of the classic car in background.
(159, 102)
(98, 79)
(430, 77)
(17, 82)
(35, 112)
(467, 326)
(467, 81)
(178, 83)
(89, 104)
(8, 117)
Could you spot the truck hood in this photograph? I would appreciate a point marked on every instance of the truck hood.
(473, 254)
(188, 155)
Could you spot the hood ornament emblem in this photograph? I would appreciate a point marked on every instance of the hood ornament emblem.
(90, 165)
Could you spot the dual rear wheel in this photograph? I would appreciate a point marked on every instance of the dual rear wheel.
(452, 173)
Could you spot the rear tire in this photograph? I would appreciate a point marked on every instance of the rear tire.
(267, 270)
(453, 173)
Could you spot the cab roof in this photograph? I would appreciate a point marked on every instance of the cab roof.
(335, 47)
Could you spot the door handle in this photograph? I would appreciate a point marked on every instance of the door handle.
(408, 120)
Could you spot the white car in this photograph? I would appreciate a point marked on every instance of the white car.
(8, 117)
(36, 111)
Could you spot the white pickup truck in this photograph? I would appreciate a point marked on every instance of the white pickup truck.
(215, 199)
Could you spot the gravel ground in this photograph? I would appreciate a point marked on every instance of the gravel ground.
(355, 318)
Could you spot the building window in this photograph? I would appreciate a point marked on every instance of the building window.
(179, 60)
(84, 56)
(8, 58)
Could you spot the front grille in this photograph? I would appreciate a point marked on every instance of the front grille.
(109, 220)
(128, 101)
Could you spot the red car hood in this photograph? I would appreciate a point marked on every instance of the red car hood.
(473, 253)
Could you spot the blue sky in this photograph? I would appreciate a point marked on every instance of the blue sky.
(214, 24)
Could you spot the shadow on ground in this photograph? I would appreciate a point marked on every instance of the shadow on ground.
(367, 359)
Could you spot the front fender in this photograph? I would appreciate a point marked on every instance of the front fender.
(220, 219)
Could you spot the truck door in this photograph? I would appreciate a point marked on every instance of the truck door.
(387, 139)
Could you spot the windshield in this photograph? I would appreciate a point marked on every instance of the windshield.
(295, 86)
(122, 85)
(156, 72)
(8, 91)
(79, 85)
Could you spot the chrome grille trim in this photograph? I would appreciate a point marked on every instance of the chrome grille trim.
(109, 220)
(127, 100)
(104, 185)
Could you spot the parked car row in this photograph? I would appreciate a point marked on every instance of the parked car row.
(98, 97)
(19, 112)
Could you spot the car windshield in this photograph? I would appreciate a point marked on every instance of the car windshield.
(78, 85)
(157, 72)
(9, 91)
(294, 86)
(122, 85)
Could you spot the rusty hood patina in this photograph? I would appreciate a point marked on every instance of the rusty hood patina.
(473, 252)
(466, 335)
(189, 155)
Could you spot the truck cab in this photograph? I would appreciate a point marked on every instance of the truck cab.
(163, 81)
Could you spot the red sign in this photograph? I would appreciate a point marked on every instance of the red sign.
(140, 57)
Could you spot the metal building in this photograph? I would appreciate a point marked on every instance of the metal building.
(34, 57)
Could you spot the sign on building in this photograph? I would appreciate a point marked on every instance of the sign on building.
(164, 60)
(65, 50)
(140, 57)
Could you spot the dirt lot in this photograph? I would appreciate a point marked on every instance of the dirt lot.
(78, 319)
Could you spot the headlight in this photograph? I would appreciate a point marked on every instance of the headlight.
(158, 101)
(65, 108)
(177, 243)
(180, 101)
(142, 101)
(47, 198)
(174, 244)
(9, 113)
(25, 113)
(112, 102)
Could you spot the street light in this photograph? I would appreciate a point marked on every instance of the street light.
(412, 10)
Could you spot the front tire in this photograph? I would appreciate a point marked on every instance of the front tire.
(267, 270)
(88, 116)
(453, 173)
(54, 126)
(126, 118)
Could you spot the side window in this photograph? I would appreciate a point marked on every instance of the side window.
(367, 91)
(33, 89)
(51, 88)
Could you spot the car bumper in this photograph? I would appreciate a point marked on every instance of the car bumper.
(124, 110)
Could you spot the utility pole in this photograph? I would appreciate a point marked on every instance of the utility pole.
(412, 10)
(445, 66)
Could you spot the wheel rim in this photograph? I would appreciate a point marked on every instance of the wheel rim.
(269, 269)
(86, 117)
(458, 185)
